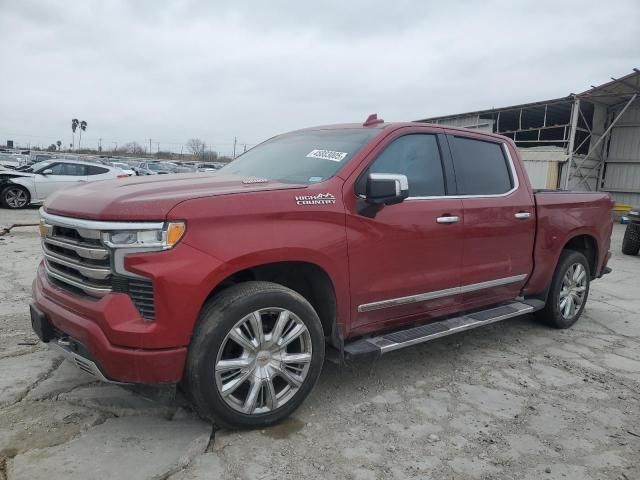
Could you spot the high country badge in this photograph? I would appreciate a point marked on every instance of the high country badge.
(319, 199)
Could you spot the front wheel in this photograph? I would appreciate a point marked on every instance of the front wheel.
(568, 292)
(631, 239)
(14, 197)
(255, 355)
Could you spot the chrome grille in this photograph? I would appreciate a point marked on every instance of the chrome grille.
(76, 257)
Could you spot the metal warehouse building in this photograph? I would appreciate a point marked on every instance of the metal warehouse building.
(589, 141)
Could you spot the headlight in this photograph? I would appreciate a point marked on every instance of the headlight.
(164, 238)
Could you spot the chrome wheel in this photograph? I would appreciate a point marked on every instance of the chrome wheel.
(15, 197)
(263, 361)
(573, 290)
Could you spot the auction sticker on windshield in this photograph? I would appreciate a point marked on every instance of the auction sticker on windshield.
(327, 155)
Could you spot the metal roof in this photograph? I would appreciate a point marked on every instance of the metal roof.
(568, 98)
(616, 91)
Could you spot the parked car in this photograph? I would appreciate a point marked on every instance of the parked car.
(177, 167)
(631, 239)
(124, 167)
(206, 167)
(335, 242)
(154, 168)
(34, 184)
(13, 161)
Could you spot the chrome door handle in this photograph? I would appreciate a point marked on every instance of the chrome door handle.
(449, 219)
(522, 215)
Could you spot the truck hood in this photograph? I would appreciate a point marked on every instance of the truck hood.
(149, 197)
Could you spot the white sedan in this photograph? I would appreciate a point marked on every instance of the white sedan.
(124, 167)
(33, 185)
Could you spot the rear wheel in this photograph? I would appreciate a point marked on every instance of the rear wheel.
(255, 355)
(568, 292)
(631, 239)
(14, 196)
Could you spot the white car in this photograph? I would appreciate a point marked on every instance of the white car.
(124, 167)
(33, 185)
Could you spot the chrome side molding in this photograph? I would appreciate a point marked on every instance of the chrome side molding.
(422, 297)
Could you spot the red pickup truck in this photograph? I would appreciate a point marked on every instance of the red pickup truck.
(329, 242)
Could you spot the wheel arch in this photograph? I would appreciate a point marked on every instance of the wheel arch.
(580, 241)
(588, 246)
(308, 279)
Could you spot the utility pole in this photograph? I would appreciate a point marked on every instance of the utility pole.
(150, 151)
(100, 144)
(115, 146)
(235, 141)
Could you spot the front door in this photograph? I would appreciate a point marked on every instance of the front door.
(62, 175)
(405, 261)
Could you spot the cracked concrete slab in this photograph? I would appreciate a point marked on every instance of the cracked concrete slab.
(116, 400)
(20, 373)
(137, 447)
(63, 379)
(513, 400)
(28, 425)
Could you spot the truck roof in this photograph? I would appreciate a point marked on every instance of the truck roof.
(395, 125)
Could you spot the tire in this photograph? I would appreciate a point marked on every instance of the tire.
(260, 388)
(15, 197)
(631, 239)
(568, 292)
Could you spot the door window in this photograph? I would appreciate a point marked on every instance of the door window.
(418, 157)
(72, 169)
(481, 167)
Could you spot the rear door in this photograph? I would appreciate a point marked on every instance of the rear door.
(499, 219)
(62, 175)
(405, 262)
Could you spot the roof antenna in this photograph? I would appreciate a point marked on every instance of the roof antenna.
(372, 120)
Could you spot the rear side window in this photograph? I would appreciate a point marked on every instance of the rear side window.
(481, 167)
(418, 157)
(95, 170)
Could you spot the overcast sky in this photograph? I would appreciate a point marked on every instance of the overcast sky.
(173, 70)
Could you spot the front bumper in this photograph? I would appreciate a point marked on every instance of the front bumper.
(81, 326)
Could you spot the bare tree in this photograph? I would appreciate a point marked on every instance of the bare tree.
(131, 147)
(196, 146)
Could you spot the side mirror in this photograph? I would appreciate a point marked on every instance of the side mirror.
(386, 188)
(48, 171)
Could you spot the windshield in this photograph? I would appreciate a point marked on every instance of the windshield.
(302, 157)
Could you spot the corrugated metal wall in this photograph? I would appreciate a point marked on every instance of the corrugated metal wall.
(469, 121)
(622, 174)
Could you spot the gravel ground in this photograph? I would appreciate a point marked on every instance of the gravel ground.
(510, 401)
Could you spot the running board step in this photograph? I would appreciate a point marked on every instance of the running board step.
(424, 333)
